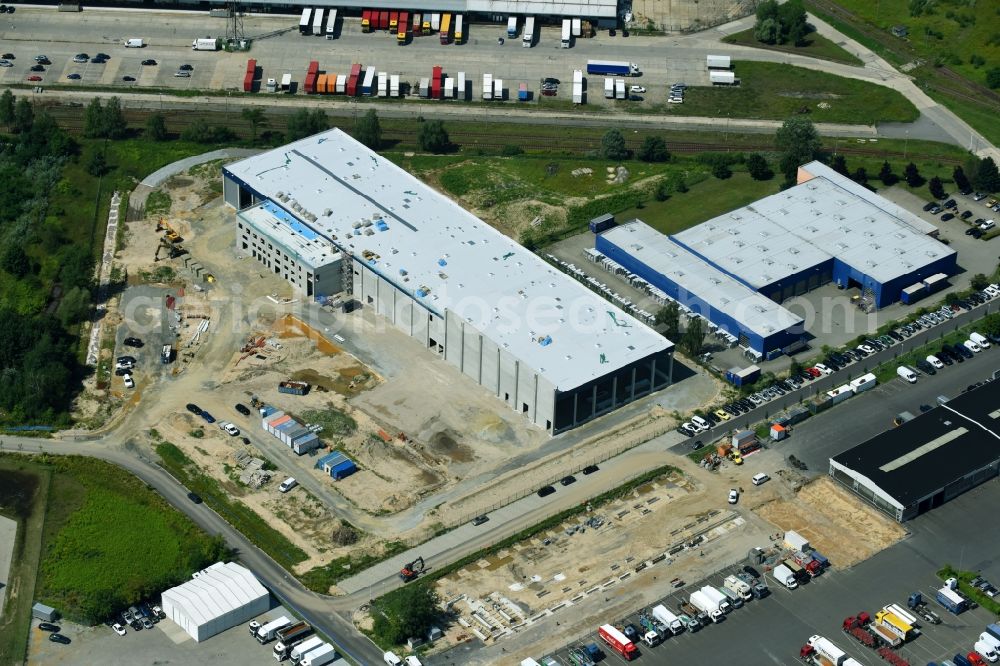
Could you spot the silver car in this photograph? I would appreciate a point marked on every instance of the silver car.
(182, 74)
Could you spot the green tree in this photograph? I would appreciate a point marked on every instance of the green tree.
(794, 26)
(758, 168)
(912, 175)
(115, 126)
(798, 142)
(721, 170)
(886, 175)
(24, 116)
(369, 130)
(156, 127)
(305, 123)
(74, 307)
(669, 317)
(406, 612)
(93, 124)
(987, 178)
(693, 340)
(979, 282)
(767, 31)
(991, 324)
(993, 78)
(6, 108)
(860, 176)
(662, 191)
(255, 116)
(936, 187)
(97, 165)
(433, 137)
(613, 145)
(653, 149)
(795, 368)
(15, 260)
(839, 164)
(961, 180)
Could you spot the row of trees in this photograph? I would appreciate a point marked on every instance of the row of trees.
(781, 24)
(669, 318)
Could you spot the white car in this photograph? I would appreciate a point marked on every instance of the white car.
(675, 100)
(6, 63)
(867, 349)
(181, 74)
(987, 225)
(413, 661)
(690, 427)
(230, 428)
(935, 361)
(636, 89)
(119, 629)
(734, 496)
(129, 382)
(822, 368)
(701, 423)
(972, 346)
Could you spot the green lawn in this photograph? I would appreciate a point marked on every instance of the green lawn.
(815, 46)
(776, 92)
(24, 487)
(944, 67)
(703, 201)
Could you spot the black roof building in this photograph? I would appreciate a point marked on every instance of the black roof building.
(928, 460)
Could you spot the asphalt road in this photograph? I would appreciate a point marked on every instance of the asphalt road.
(771, 630)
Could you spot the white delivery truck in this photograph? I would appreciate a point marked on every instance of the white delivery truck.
(718, 598)
(784, 575)
(528, 37)
(566, 33)
(304, 648)
(321, 656)
(134, 43)
(673, 623)
(267, 632)
(721, 78)
(205, 44)
(701, 601)
(577, 86)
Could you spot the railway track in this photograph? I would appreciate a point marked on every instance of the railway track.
(71, 119)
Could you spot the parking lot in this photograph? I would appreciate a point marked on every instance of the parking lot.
(165, 643)
(771, 630)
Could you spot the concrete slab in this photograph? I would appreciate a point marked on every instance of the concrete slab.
(8, 535)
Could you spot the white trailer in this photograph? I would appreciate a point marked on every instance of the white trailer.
(512, 26)
(702, 602)
(435, 22)
(394, 85)
(321, 656)
(286, 82)
(383, 84)
(305, 21)
(898, 611)
(717, 78)
(205, 44)
(318, 15)
(487, 86)
(498, 90)
(827, 649)
(609, 87)
(673, 622)
(567, 28)
(425, 87)
(619, 88)
(576, 27)
(449, 87)
(304, 648)
(331, 24)
(267, 632)
(718, 62)
(459, 34)
(341, 86)
(577, 86)
(272, 85)
(528, 37)
(462, 95)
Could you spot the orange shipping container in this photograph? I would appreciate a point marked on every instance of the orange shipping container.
(321, 84)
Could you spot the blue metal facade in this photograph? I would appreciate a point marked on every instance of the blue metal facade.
(756, 341)
(889, 292)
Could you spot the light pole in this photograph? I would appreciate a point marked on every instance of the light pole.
(906, 143)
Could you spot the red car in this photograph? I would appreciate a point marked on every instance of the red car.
(34, 77)
(813, 372)
(976, 659)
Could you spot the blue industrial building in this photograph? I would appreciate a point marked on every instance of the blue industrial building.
(736, 268)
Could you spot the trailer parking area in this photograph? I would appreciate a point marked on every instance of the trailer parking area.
(772, 630)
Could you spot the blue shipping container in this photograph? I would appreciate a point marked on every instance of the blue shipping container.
(343, 469)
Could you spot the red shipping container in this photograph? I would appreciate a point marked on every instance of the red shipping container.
(383, 20)
(393, 20)
(366, 20)
(352, 80)
(248, 82)
(436, 82)
(252, 67)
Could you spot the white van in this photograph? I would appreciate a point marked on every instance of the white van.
(907, 374)
(759, 479)
(972, 346)
(979, 340)
(935, 361)
(287, 485)
(134, 43)
(700, 422)
(391, 659)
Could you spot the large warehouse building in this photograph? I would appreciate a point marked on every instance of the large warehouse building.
(218, 598)
(825, 229)
(928, 460)
(328, 214)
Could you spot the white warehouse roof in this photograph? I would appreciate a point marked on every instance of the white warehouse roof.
(826, 216)
(446, 258)
(723, 293)
(219, 597)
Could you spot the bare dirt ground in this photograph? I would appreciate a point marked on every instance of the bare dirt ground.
(836, 523)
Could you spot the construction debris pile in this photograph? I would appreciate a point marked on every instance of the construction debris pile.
(253, 473)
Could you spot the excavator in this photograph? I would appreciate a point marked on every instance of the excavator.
(173, 249)
(411, 570)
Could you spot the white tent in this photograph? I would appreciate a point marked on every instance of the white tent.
(220, 597)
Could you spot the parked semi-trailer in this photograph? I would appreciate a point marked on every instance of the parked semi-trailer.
(577, 87)
(620, 68)
(267, 632)
(445, 33)
(331, 24)
(459, 35)
(352, 79)
(436, 82)
(305, 22)
(383, 84)
(402, 27)
(896, 624)
(576, 27)
(205, 44)
(512, 26)
(672, 622)
(304, 648)
(394, 85)
(368, 83)
(318, 15)
(567, 35)
(618, 642)
(619, 88)
(321, 656)
(609, 88)
(366, 20)
(917, 604)
(487, 86)
(718, 62)
(528, 36)
(290, 636)
(827, 650)
(949, 597)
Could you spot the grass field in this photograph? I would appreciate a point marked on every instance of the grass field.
(110, 541)
(938, 52)
(236, 513)
(775, 92)
(24, 487)
(815, 46)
